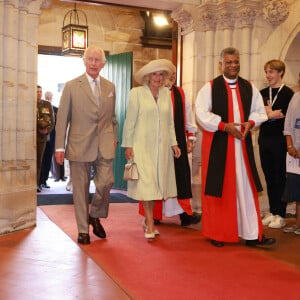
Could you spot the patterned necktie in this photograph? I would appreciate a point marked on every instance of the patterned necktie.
(97, 91)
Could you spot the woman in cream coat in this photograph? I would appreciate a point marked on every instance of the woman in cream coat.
(149, 138)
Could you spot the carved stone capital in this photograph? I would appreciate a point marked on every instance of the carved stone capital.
(275, 11)
(246, 16)
(227, 14)
(206, 17)
(23, 5)
(46, 3)
(43, 3)
(206, 21)
(33, 6)
(183, 18)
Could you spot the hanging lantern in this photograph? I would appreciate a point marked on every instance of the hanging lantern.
(74, 34)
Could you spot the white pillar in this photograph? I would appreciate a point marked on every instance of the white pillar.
(245, 55)
(22, 86)
(1, 75)
(9, 90)
(209, 54)
(227, 42)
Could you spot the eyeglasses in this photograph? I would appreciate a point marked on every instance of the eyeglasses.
(93, 60)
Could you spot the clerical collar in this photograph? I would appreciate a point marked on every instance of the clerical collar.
(230, 81)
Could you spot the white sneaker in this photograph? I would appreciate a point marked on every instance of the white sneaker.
(279, 222)
(268, 218)
(297, 231)
(291, 229)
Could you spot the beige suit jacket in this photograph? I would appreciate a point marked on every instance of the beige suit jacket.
(91, 127)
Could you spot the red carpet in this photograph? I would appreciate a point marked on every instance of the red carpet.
(180, 264)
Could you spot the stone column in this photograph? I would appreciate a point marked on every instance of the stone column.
(1, 72)
(9, 91)
(22, 125)
(228, 21)
(227, 37)
(207, 23)
(245, 18)
(209, 54)
(18, 74)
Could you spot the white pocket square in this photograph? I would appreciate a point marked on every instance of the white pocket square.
(111, 94)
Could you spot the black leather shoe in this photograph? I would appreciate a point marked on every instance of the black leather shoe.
(197, 217)
(98, 229)
(217, 243)
(45, 185)
(38, 189)
(83, 238)
(264, 242)
(187, 220)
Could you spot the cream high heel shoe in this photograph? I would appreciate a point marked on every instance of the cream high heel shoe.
(156, 232)
(149, 236)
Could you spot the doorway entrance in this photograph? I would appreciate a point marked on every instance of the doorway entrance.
(54, 71)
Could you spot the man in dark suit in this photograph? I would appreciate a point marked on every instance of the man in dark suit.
(58, 171)
(44, 125)
(88, 106)
(49, 149)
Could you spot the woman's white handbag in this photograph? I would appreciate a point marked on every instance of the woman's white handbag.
(131, 171)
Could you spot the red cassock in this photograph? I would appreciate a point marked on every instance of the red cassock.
(219, 214)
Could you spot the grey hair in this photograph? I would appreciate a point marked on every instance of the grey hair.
(48, 93)
(229, 51)
(100, 50)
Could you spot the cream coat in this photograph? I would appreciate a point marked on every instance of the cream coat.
(149, 130)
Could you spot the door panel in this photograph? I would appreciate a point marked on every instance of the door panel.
(118, 69)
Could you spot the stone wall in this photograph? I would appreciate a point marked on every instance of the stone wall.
(116, 30)
(18, 40)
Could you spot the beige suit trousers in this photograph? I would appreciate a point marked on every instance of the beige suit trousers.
(103, 179)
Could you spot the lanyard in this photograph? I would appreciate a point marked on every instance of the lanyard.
(272, 101)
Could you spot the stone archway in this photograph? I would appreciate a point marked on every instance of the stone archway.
(291, 58)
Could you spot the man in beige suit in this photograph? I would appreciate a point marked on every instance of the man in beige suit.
(87, 106)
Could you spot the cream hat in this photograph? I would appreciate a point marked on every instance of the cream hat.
(154, 66)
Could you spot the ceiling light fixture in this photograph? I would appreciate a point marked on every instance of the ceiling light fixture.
(160, 20)
(74, 34)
